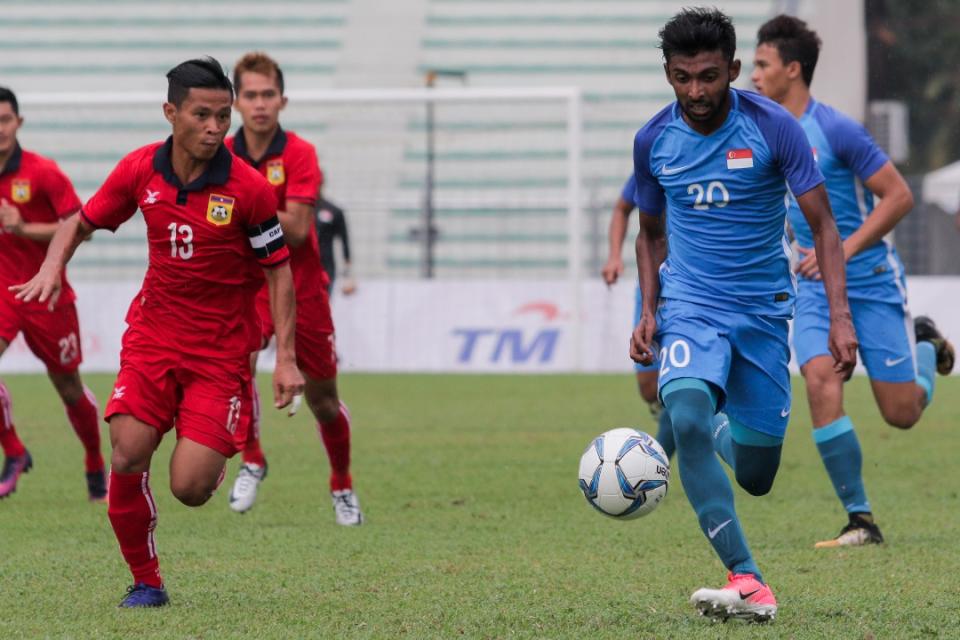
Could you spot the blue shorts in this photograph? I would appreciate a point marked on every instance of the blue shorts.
(745, 356)
(884, 331)
(637, 310)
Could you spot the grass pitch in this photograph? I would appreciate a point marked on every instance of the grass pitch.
(476, 528)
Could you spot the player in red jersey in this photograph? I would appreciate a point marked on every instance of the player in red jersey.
(213, 235)
(34, 197)
(290, 165)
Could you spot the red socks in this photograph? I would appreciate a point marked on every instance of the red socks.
(252, 453)
(12, 447)
(133, 515)
(86, 424)
(336, 438)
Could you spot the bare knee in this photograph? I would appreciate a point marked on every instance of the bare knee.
(323, 401)
(130, 456)
(191, 493)
(68, 386)
(900, 417)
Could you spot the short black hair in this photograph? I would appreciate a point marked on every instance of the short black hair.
(698, 29)
(794, 41)
(6, 95)
(199, 73)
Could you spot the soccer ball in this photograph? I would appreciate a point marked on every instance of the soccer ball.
(624, 473)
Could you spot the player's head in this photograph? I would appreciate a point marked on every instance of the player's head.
(786, 56)
(259, 83)
(199, 96)
(10, 120)
(698, 50)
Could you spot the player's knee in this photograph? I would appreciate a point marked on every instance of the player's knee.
(901, 417)
(325, 408)
(192, 494)
(126, 459)
(69, 387)
(756, 484)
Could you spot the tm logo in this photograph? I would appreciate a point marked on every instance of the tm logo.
(510, 344)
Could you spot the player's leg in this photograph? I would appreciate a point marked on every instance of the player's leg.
(17, 460)
(195, 471)
(253, 466)
(132, 510)
(333, 425)
(81, 408)
(648, 386)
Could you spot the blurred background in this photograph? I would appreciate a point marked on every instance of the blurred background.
(481, 211)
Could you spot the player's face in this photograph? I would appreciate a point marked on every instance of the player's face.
(201, 122)
(702, 83)
(259, 101)
(769, 75)
(9, 123)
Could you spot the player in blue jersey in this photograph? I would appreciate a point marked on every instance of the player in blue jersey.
(900, 358)
(646, 373)
(718, 161)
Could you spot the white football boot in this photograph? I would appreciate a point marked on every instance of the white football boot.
(244, 492)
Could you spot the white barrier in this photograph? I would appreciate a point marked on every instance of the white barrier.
(442, 326)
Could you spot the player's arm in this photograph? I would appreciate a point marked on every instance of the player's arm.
(651, 252)
(296, 221)
(287, 379)
(45, 285)
(13, 222)
(616, 234)
(815, 206)
(349, 286)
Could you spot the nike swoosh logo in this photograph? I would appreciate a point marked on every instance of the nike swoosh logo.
(785, 412)
(744, 596)
(669, 171)
(890, 362)
(712, 533)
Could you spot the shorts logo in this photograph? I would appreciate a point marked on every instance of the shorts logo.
(20, 191)
(275, 173)
(233, 416)
(219, 209)
(119, 392)
(892, 362)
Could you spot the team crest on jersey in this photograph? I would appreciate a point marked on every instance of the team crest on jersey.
(219, 209)
(740, 159)
(275, 173)
(20, 191)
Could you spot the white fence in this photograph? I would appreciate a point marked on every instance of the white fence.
(444, 326)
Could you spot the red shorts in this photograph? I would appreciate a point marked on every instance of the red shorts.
(316, 346)
(207, 400)
(53, 336)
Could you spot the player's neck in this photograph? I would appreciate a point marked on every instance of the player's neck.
(797, 100)
(186, 167)
(258, 143)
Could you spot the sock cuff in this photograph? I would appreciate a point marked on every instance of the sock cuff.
(679, 384)
(927, 387)
(744, 435)
(129, 479)
(833, 430)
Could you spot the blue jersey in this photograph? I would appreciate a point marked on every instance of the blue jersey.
(848, 156)
(725, 194)
(629, 193)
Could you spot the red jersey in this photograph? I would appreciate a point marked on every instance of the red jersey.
(207, 243)
(42, 193)
(290, 165)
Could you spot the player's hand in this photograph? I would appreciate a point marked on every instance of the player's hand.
(612, 270)
(349, 287)
(287, 383)
(808, 267)
(43, 287)
(10, 217)
(641, 342)
(843, 345)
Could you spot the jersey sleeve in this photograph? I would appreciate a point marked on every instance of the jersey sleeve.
(304, 178)
(263, 229)
(649, 196)
(116, 201)
(853, 146)
(60, 193)
(629, 191)
(791, 150)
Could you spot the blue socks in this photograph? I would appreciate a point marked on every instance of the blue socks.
(840, 450)
(665, 433)
(691, 405)
(926, 368)
(753, 456)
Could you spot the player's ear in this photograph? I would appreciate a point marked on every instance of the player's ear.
(734, 70)
(283, 102)
(794, 70)
(666, 70)
(169, 111)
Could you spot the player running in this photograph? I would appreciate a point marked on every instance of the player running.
(901, 371)
(646, 373)
(719, 160)
(35, 196)
(290, 165)
(213, 236)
